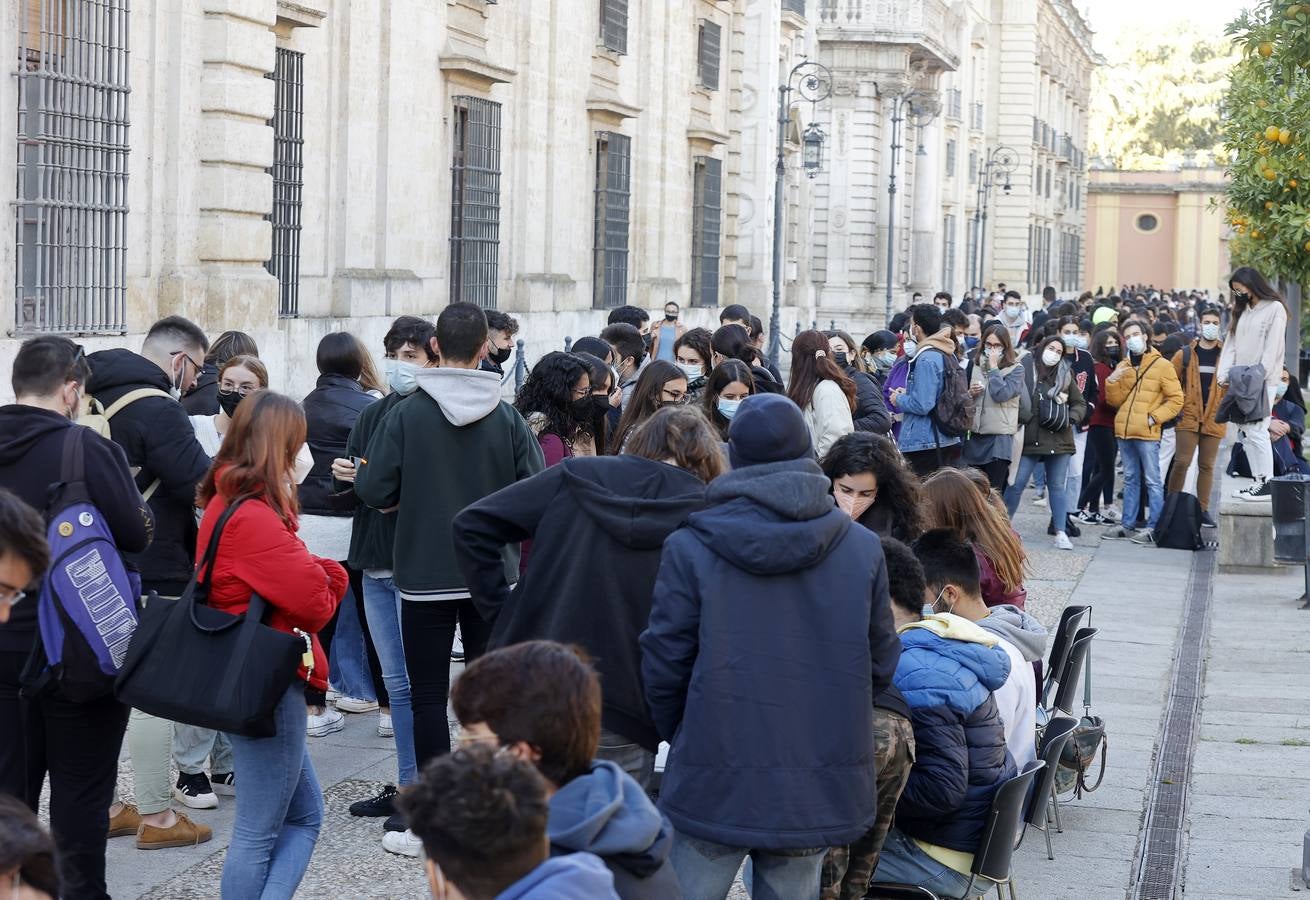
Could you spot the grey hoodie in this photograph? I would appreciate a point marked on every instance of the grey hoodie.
(464, 395)
(1023, 631)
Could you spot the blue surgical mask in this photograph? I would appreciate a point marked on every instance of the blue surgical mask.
(728, 408)
(971, 341)
(1280, 389)
(887, 359)
(1137, 345)
(1210, 331)
(910, 347)
(402, 376)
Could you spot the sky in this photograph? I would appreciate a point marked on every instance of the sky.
(1108, 17)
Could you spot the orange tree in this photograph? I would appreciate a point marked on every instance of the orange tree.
(1267, 136)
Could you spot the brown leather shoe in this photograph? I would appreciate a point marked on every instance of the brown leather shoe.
(182, 833)
(128, 821)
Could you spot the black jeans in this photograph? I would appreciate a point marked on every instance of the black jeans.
(925, 462)
(998, 474)
(315, 697)
(78, 745)
(427, 628)
(1098, 469)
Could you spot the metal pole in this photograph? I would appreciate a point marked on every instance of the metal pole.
(891, 206)
(520, 366)
(784, 119)
(568, 343)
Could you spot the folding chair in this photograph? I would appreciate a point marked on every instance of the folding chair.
(1071, 620)
(1073, 666)
(992, 860)
(1049, 748)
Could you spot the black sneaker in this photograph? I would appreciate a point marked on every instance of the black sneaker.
(384, 804)
(1207, 520)
(194, 791)
(1071, 527)
(225, 783)
(1260, 490)
(394, 823)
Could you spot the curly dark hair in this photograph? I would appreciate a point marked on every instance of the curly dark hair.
(548, 392)
(898, 487)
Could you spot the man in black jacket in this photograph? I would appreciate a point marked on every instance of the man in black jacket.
(76, 743)
(161, 447)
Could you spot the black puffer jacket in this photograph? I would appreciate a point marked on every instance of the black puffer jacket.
(157, 438)
(870, 410)
(203, 401)
(331, 409)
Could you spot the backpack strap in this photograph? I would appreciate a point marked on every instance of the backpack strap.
(72, 467)
(131, 397)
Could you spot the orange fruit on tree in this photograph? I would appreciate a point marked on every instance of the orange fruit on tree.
(1266, 49)
(1307, 246)
(1262, 103)
(1271, 133)
(1292, 183)
(1269, 174)
(1284, 136)
(1269, 205)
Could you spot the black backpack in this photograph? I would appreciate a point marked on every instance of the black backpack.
(1179, 527)
(953, 414)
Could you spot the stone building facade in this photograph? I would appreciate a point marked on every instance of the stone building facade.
(294, 167)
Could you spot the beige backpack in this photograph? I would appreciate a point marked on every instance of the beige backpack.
(98, 421)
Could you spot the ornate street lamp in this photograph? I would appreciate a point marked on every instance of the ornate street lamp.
(999, 166)
(813, 82)
(919, 111)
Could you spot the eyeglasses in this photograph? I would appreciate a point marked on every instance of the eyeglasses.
(674, 396)
(187, 357)
(11, 596)
(581, 392)
(244, 390)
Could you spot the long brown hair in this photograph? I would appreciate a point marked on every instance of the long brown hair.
(680, 435)
(1008, 357)
(952, 500)
(252, 364)
(258, 452)
(811, 363)
(1259, 288)
(853, 349)
(647, 397)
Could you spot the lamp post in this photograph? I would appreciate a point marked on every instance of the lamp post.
(914, 108)
(999, 164)
(813, 82)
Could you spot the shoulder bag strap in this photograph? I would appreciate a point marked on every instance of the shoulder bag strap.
(250, 625)
(131, 397)
(205, 563)
(73, 465)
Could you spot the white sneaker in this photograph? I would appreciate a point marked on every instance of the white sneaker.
(1110, 514)
(1062, 541)
(384, 725)
(356, 705)
(332, 695)
(326, 722)
(402, 843)
(457, 647)
(1039, 500)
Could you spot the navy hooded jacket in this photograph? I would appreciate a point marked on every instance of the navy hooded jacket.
(959, 740)
(770, 633)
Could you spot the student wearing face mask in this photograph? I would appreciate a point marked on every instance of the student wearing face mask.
(630, 360)
(870, 411)
(621, 509)
(665, 333)
(878, 353)
(825, 394)
(694, 354)
(76, 744)
(872, 485)
(996, 381)
(1015, 316)
(1197, 433)
(501, 329)
(1048, 435)
(661, 384)
(239, 376)
(1098, 463)
(554, 401)
(408, 347)
(1146, 391)
(593, 411)
(729, 384)
(1083, 368)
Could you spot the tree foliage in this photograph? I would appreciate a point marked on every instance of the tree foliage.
(1267, 137)
(1157, 99)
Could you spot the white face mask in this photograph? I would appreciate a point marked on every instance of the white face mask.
(1051, 357)
(304, 462)
(401, 375)
(692, 370)
(1013, 313)
(1210, 331)
(1137, 345)
(911, 347)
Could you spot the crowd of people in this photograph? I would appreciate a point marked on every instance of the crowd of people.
(659, 540)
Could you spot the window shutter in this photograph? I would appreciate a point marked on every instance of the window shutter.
(614, 25)
(707, 230)
(475, 202)
(288, 178)
(711, 39)
(613, 190)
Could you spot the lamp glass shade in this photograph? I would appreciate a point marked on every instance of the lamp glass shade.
(812, 149)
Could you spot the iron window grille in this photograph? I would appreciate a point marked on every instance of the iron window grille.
(708, 51)
(614, 25)
(796, 6)
(950, 159)
(613, 190)
(707, 229)
(475, 202)
(948, 252)
(288, 77)
(971, 250)
(71, 207)
(954, 103)
(978, 113)
(973, 167)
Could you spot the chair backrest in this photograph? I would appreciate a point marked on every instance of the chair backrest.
(1049, 749)
(992, 860)
(1071, 620)
(1067, 697)
(899, 892)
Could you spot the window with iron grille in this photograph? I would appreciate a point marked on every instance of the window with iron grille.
(71, 209)
(978, 116)
(288, 176)
(614, 25)
(613, 188)
(948, 253)
(708, 50)
(973, 167)
(475, 202)
(971, 238)
(706, 229)
(954, 103)
(1032, 252)
(950, 159)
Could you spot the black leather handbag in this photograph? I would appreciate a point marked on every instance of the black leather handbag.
(193, 664)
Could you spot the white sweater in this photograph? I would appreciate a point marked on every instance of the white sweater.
(1261, 337)
(829, 416)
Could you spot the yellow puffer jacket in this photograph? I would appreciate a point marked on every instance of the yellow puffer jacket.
(1147, 396)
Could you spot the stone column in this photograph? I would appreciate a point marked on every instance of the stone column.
(924, 147)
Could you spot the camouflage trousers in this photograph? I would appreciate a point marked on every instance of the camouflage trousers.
(847, 870)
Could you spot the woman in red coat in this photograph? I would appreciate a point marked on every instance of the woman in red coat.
(279, 804)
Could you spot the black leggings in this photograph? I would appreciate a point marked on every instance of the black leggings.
(1098, 469)
(427, 629)
(315, 697)
(997, 472)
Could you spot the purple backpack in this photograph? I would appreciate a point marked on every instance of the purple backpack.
(88, 605)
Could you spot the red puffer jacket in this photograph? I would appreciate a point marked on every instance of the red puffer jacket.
(259, 553)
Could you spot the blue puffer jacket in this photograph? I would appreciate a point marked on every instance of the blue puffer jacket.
(770, 634)
(948, 669)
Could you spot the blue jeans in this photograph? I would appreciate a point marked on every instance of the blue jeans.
(902, 860)
(1057, 469)
(706, 870)
(279, 808)
(382, 607)
(192, 746)
(1141, 461)
(349, 662)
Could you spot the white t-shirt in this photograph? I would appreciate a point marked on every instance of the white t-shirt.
(1016, 701)
(207, 434)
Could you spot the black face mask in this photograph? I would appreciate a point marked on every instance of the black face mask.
(591, 407)
(498, 356)
(647, 339)
(840, 359)
(1112, 353)
(670, 317)
(227, 401)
